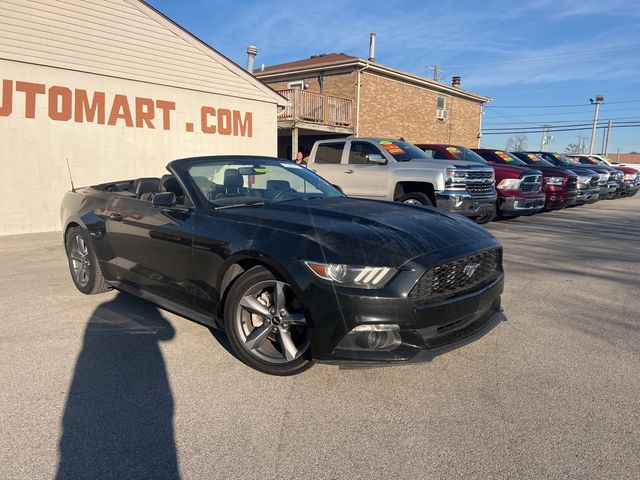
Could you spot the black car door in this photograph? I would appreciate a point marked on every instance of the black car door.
(153, 247)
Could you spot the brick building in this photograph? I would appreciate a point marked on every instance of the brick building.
(340, 95)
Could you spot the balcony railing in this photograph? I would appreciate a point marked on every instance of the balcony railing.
(317, 108)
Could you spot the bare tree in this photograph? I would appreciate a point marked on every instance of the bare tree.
(516, 143)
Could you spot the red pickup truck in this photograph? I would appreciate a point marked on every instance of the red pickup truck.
(519, 188)
(559, 185)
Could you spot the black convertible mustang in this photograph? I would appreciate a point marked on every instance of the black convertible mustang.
(289, 267)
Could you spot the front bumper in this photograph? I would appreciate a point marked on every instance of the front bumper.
(426, 330)
(557, 200)
(514, 206)
(609, 190)
(587, 195)
(629, 189)
(463, 203)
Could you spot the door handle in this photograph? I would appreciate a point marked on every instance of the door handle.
(348, 171)
(116, 217)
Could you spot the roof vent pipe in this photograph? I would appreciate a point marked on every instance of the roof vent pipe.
(455, 81)
(372, 47)
(252, 51)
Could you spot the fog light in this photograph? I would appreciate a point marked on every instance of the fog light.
(372, 337)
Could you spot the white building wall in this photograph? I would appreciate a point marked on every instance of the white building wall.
(34, 150)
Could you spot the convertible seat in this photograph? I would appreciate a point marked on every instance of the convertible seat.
(275, 186)
(233, 185)
(145, 188)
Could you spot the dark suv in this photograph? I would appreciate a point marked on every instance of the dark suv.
(588, 180)
(560, 186)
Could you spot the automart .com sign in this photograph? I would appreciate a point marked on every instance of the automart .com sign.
(65, 104)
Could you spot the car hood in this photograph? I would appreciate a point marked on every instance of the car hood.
(557, 171)
(514, 171)
(365, 232)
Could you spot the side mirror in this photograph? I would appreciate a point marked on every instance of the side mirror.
(164, 199)
(376, 158)
(337, 187)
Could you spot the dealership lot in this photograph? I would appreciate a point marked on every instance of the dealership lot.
(111, 387)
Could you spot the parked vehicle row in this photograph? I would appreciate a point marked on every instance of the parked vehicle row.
(451, 177)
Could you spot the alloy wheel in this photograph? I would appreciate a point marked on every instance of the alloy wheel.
(270, 323)
(80, 260)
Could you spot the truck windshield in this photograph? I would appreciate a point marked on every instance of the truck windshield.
(466, 154)
(533, 159)
(402, 151)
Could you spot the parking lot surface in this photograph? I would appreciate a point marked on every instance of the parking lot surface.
(110, 386)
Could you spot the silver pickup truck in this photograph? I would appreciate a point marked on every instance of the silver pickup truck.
(386, 169)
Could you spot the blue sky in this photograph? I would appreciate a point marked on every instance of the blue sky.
(527, 53)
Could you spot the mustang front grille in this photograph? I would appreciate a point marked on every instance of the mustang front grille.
(458, 277)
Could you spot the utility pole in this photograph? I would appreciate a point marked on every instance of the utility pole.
(546, 136)
(599, 99)
(436, 72)
(605, 149)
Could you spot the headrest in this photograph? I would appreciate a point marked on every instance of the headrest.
(233, 179)
(277, 184)
(170, 184)
(146, 185)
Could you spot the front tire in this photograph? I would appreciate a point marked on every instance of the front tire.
(83, 262)
(266, 325)
(416, 198)
(486, 218)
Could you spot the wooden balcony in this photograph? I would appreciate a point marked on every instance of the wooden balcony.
(317, 108)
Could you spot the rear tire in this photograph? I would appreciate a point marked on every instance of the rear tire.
(265, 324)
(416, 198)
(83, 262)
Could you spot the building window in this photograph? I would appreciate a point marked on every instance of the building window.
(297, 84)
(441, 109)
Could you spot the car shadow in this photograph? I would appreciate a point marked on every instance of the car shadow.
(118, 419)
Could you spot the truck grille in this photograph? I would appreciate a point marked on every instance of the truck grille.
(458, 277)
(479, 175)
(479, 189)
(531, 184)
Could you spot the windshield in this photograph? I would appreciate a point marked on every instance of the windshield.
(566, 161)
(506, 158)
(534, 159)
(241, 182)
(402, 151)
(466, 154)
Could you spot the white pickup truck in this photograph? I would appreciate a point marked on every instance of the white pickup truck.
(386, 169)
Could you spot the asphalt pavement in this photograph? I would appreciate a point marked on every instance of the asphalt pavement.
(111, 387)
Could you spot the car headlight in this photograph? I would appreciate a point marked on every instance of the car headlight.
(554, 180)
(350, 276)
(584, 179)
(509, 184)
(620, 175)
(455, 175)
(630, 176)
(604, 177)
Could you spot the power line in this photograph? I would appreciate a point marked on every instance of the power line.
(554, 122)
(561, 106)
(554, 57)
(540, 130)
(571, 112)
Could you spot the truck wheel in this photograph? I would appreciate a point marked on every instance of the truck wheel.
(416, 198)
(83, 262)
(486, 218)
